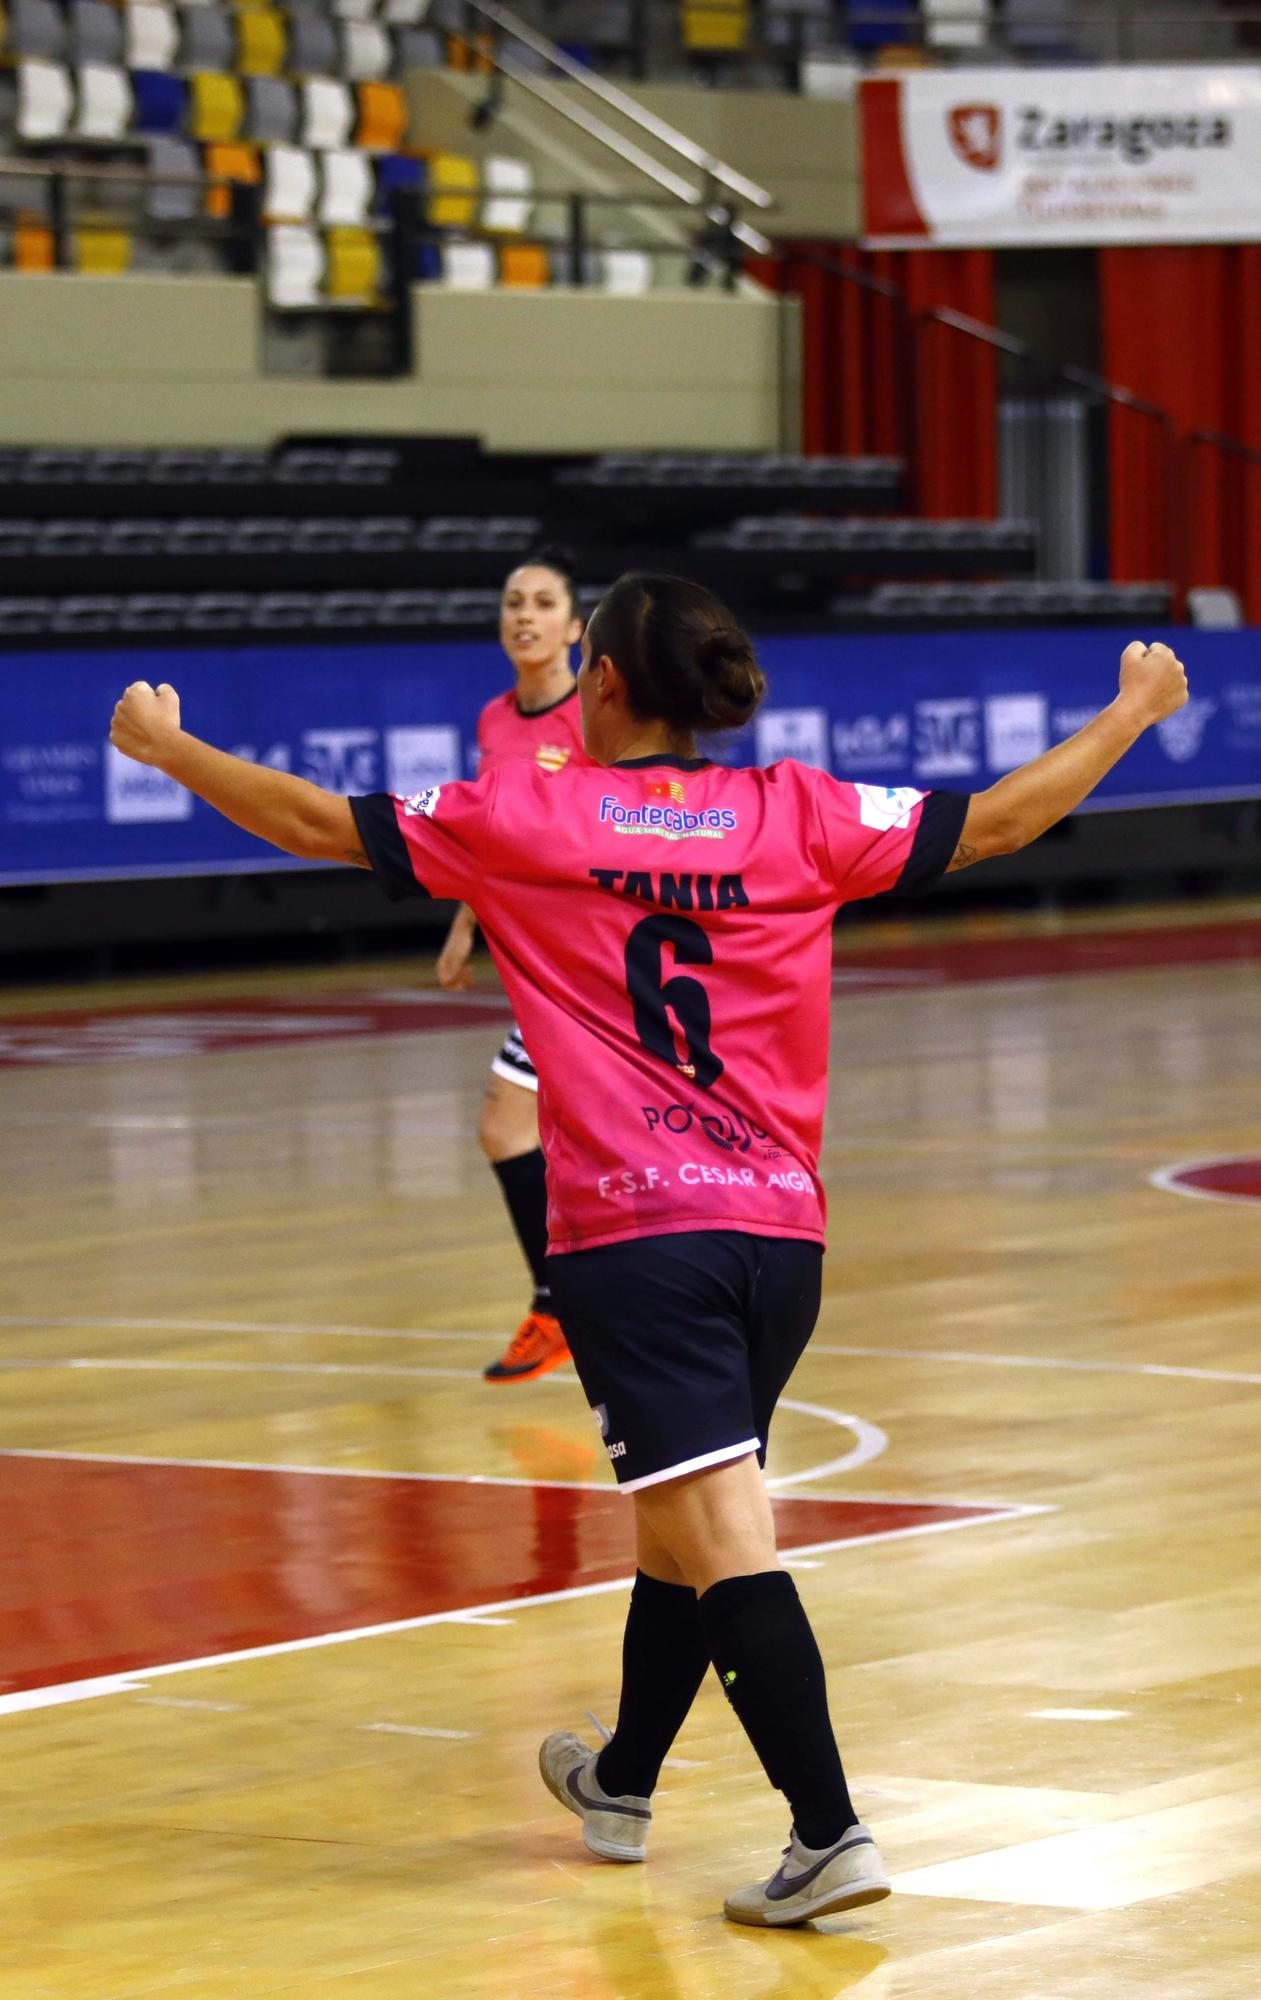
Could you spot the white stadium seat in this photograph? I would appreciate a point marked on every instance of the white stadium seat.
(468, 267)
(508, 198)
(328, 112)
(152, 35)
(295, 265)
(104, 110)
(290, 188)
(626, 273)
(348, 187)
(45, 100)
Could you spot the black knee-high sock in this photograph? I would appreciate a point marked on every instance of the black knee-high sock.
(524, 1183)
(664, 1657)
(768, 1661)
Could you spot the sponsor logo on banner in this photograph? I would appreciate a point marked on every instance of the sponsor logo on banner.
(1016, 730)
(1067, 721)
(887, 807)
(341, 760)
(792, 732)
(1167, 153)
(44, 783)
(976, 133)
(1182, 735)
(948, 738)
(136, 794)
(276, 757)
(418, 758)
(869, 743)
(422, 805)
(1243, 706)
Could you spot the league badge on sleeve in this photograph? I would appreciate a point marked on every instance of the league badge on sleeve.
(887, 807)
(422, 804)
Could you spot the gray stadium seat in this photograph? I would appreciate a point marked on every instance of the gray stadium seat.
(312, 45)
(178, 161)
(272, 108)
(36, 28)
(208, 41)
(96, 32)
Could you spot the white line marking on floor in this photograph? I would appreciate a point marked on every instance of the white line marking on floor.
(169, 1701)
(279, 1328)
(138, 1678)
(871, 1441)
(1164, 1178)
(958, 1356)
(136, 1365)
(405, 1729)
(1079, 1714)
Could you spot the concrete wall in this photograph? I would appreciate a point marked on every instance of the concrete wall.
(176, 361)
(803, 150)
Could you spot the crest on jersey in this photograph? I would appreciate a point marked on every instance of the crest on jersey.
(667, 788)
(422, 804)
(887, 807)
(553, 756)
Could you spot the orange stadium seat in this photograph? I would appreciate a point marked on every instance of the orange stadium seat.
(218, 106)
(524, 267)
(34, 248)
(229, 163)
(382, 116)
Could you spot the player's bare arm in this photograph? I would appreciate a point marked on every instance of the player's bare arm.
(1028, 801)
(293, 815)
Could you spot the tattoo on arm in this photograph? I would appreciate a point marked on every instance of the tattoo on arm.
(357, 858)
(964, 856)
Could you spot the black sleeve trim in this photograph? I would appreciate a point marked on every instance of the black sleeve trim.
(936, 838)
(385, 847)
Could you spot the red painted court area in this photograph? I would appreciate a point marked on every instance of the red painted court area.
(110, 1567)
(1232, 1179)
(123, 1034)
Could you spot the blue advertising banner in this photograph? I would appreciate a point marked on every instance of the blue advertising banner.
(951, 710)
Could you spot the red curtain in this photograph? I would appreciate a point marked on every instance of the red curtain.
(878, 379)
(1181, 328)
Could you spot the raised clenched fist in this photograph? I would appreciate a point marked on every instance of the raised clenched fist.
(1154, 679)
(146, 722)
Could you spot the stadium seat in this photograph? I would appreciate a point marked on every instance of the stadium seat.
(261, 42)
(404, 13)
(712, 26)
(312, 45)
(34, 247)
(395, 171)
(96, 32)
(354, 10)
(207, 42)
(45, 100)
(507, 189)
(366, 53)
(226, 163)
(295, 265)
(419, 48)
(218, 107)
(152, 35)
(328, 112)
(104, 102)
(524, 267)
(102, 253)
(36, 28)
(957, 24)
(175, 194)
(468, 267)
(625, 273)
(354, 264)
(453, 182)
(271, 108)
(382, 116)
(161, 101)
(346, 188)
(290, 189)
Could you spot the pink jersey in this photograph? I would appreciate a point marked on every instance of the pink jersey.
(664, 930)
(550, 737)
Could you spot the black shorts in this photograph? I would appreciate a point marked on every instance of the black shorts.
(683, 1343)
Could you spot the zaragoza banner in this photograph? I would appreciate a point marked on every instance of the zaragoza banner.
(1127, 155)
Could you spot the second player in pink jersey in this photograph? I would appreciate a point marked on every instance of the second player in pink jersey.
(536, 722)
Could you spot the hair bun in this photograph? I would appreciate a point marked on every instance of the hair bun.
(734, 684)
(554, 555)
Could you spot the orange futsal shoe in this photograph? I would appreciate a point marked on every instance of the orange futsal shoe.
(537, 1346)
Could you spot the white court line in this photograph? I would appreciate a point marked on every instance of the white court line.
(1164, 1178)
(280, 1328)
(149, 1366)
(137, 1678)
(1057, 1361)
(871, 1441)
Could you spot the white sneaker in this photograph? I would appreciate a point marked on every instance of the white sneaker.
(814, 1882)
(615, 1829)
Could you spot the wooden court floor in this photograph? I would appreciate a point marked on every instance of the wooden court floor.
(288, 1596)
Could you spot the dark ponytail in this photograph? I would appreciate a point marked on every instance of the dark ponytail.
(683, 657)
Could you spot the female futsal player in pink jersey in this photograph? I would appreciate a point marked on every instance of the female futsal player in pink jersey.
(538, 721)
(664, 928)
